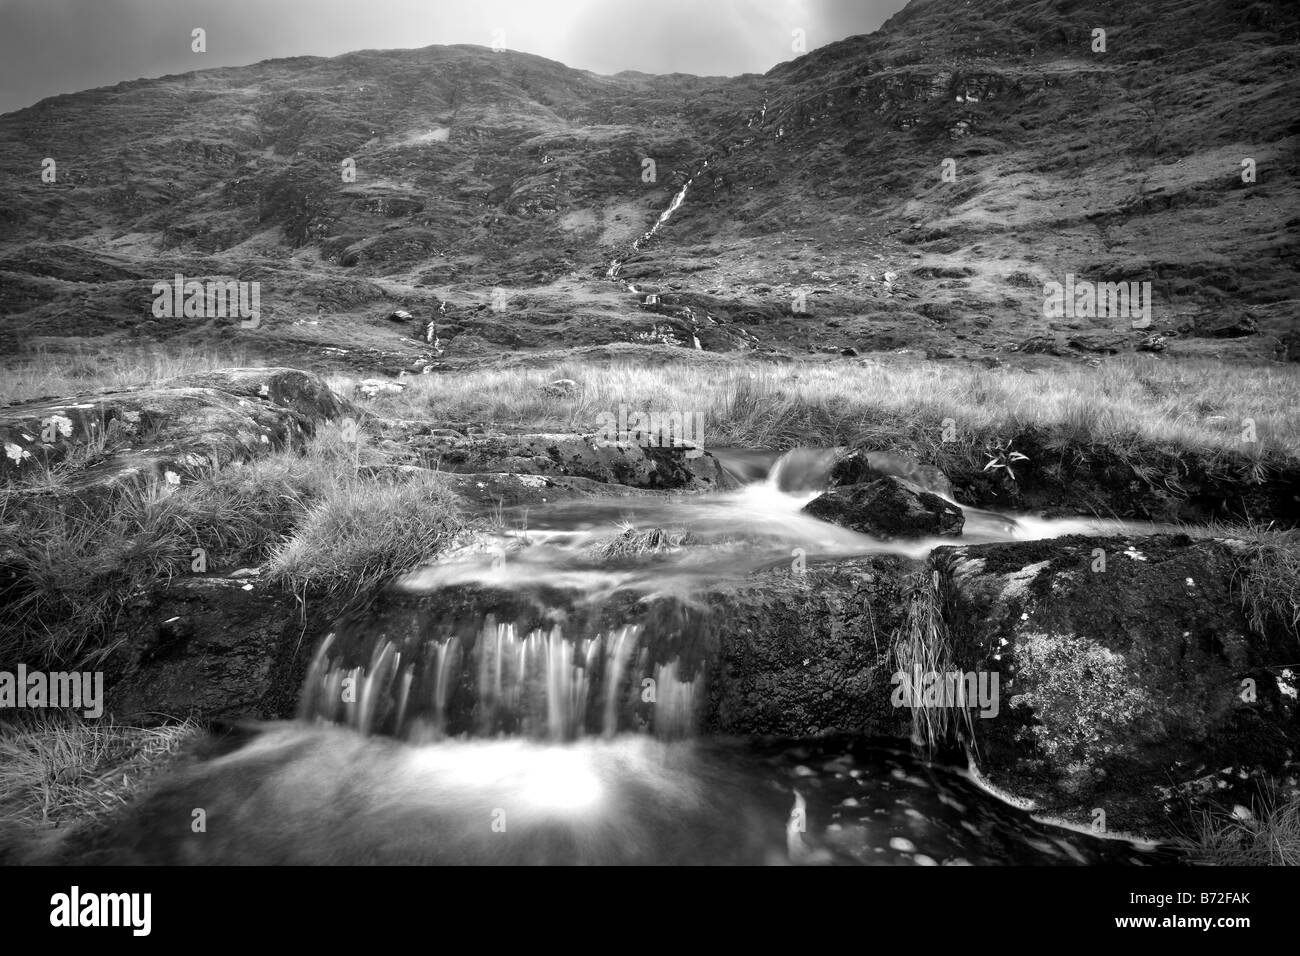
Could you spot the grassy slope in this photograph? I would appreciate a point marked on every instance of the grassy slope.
(1117, 165)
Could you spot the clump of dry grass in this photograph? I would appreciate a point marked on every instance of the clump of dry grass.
(1270, 581)
(73, 563)
(922, 646)
(1266, 835)
(1131, 405)
(631, 543)
(81, 370)
(360, 533)
(58, 770)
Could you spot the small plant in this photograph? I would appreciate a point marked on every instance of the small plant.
(1003, 456)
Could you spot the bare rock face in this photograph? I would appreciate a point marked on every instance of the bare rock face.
(888, 508)
(1130, 679)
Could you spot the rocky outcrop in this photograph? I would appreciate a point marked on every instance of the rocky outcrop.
(179, 426)
(888, 508)
(1225, 323)
(1101, 342)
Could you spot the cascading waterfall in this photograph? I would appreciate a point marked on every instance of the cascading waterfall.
(539, 684)
(677, 200)
(556, 645)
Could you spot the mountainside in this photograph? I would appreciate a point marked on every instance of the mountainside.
(914, 188)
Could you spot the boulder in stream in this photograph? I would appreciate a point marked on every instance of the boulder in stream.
(854, 467)
(888, 508)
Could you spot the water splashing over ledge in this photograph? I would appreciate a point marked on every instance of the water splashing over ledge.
(504, 680)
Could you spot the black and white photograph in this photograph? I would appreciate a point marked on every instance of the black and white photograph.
(682, 433)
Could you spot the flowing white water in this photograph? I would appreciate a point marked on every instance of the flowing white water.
(575, 786)
(567, 671)
(673, 206)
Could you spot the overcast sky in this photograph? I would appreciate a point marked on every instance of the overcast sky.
(62, 46)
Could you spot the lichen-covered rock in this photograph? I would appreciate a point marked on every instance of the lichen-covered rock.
(1128, 673)
(888, 508)
(185, 424)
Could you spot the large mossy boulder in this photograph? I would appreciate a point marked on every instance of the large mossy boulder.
(1131, 678)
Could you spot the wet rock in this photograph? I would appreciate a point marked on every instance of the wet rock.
(859, 466)
(211, 647)
(1128, 672)
(641, 466)
(792, 650)
(1232, 488)
(509, 490)
(888, 508)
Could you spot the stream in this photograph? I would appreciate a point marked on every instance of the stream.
(524, 676)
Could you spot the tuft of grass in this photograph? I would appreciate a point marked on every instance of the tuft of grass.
(359, 534)
(1267, 574)
(72, 564)
(1270, 582)
(631, 543)
(923, 644)
(1266, 835)
(81, 370)
(57, 769)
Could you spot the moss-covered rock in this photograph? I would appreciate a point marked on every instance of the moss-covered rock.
(1128, 672)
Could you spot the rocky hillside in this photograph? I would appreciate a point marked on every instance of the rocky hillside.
(914, 188)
